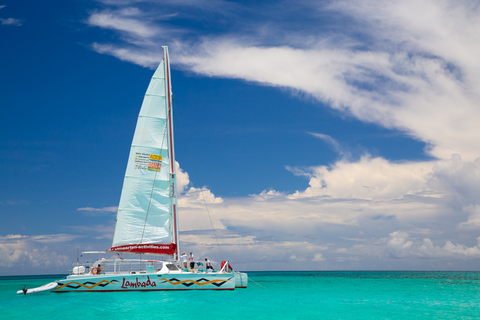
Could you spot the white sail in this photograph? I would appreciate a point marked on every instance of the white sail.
(146, 219)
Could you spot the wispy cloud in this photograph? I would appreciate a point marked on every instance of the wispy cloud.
(13, 202)
(131, 26)
(334, 143)
(11, 22)
(405, 78)
(97, 232)
(104, 209)
(97, 211)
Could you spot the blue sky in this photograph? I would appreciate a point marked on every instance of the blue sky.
(329, 135)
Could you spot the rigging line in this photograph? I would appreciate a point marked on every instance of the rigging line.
(250, 279)
(201, 192)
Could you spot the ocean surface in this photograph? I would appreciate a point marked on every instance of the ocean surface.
(270, 295)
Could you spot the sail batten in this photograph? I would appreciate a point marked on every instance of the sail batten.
(144, 146)
(146, 218)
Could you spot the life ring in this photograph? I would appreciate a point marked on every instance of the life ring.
(94, 270)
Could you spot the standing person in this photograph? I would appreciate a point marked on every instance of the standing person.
(183, 258)
(208, 264)
(191, 259)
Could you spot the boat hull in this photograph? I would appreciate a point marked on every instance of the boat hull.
(147, 282)
(241, 280)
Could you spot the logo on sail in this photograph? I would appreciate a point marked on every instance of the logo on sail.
(155, 162)
(147, 161)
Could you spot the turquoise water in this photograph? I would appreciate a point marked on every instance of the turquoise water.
(270, 295)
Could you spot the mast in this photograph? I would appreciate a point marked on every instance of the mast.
(173, 178)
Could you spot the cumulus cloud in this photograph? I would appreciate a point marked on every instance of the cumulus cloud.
(317, 257)
(183, 179)
(22, 252)
(372, 212)
(459, 178)
(399, 246)
(322, 227)
(369, 178)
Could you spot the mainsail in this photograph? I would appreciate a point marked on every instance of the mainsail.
(147, 220)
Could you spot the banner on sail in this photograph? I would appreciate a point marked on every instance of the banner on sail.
(147, 248)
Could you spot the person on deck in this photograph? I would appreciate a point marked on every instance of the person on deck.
(208, 264)
(191, 259)
(183, 258)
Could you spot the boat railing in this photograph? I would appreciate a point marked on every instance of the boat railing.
(118, 266)
(226, 267)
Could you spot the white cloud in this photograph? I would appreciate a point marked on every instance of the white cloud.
(418, 95)
(104, 209)
(417, 74)
(473, 212)
(369, 178)
(352, 211)
(400, 247)
(334, 143)
(183, 179)
(146, 59)
(13, 236)
(13, 202)
(53, 238)
(323, 227)
(459, 178)
(96, 232)
(11, 22)
(317, 257)
(24, 252)
(210, 5)
(133, 27)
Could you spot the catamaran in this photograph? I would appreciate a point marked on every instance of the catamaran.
(147, 222)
